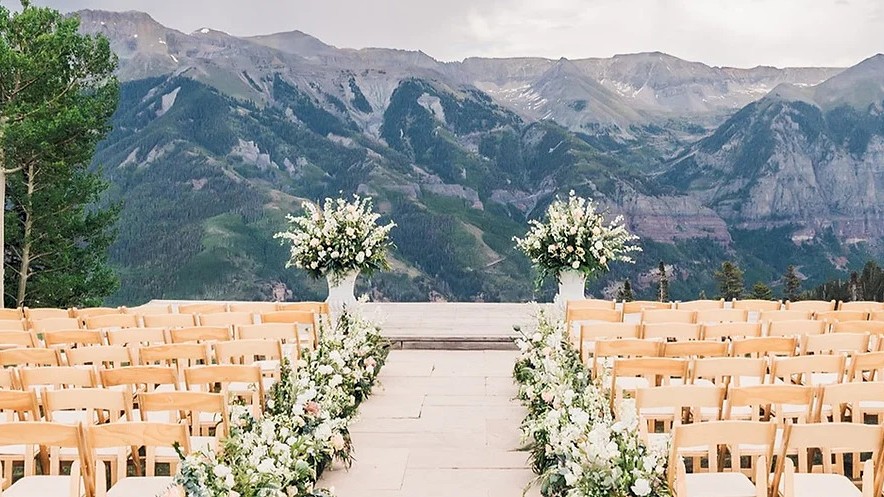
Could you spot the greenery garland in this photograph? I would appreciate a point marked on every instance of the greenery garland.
(305, 426)
(577, 447)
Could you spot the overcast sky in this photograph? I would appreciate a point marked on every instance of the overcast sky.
(741, 33)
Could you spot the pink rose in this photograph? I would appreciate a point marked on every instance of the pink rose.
(312, 408)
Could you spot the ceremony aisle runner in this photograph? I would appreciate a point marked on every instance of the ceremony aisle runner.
(440, 423)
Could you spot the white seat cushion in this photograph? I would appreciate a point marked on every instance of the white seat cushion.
(719, 485)
(761, 449)
(141, 486)
(43, 486)
(817, 379)
(822, 485)
(268, 365)
(657, 412)
(632, 382)
(14, 450)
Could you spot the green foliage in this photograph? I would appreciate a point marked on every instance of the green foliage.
(57, 93)
(865, 285)
(624, 294)
(730, 281)
(761, 291)
(791, 284)
(359, 101)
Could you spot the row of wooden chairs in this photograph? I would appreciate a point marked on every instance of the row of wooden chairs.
(207, 307)
(720, 442)
(287, 333)
(752, 305)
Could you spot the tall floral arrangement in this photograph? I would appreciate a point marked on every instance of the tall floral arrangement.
(574, 236)
(338, 238)
(304, 427)
(578, 448)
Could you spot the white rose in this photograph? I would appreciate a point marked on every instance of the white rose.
(641, 487)
(325, 369)
(575, 264)
(360, 257)
(314, 242)
(336, 380)
(335, 254)
(221, 471)
(266, 466)
(337, 441)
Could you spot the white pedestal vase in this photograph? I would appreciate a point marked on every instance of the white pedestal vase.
(341, 290)
(571, 286)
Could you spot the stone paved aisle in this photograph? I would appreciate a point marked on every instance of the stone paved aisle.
(441, 424)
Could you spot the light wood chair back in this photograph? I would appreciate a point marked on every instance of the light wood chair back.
(671, 331)
(867, 306)
(12, 314)
(221, 377)
(583, 314)
(779, 403)
(870, 327)
(202, 308)
(56, 377)
(650, 316)
(110, 321)
(39, 313)
(785, 315)
(764, 346)
(838, 316)
(33, 356)
(104, 357)
(201, 334)
(849, 398)
(813, 370)
(136, 337)
(709, 316)
(52, 324)
(13, 324)
(307, 322)
(178, 355)
(140, 378)
(87, 405)
(591, 332)
(876, 316)
(252, 307)
(835, 343)
(700, 305)
(89, 312)
(814, 306)
(867, 367)
(797, 328)
(286, 334)
(590, 304)
(32, 434)
(19, 405)
(637, 306)
(8, 379)
(169, 320)
(678, 404)
(149, 309)
(73, 338)
(127, 434)
(14, 339)
(713, 436)
(248, 352)
(695, 349)
(320, 308)
(728, 371)
(829, 439)
(229, 319)
(756, 305)
(628, 375)
(721, 331)
(188, 407)
(606, 351)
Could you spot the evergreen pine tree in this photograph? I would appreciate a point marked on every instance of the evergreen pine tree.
(791, 284)
(662, 283)
(730, 281)
(624, 294)
(761, 291)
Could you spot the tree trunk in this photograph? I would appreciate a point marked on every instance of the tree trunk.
(2, 215)
(25, 266)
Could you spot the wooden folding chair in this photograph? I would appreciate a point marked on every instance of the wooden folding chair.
(814, 306)
(728, 371)
(44, 378)
(848, 344)
(227, 319)
(104, 357)
(832, 317)
(266, 354)
(852, 401)
(695, 349)
(202, 308)
(861, 305)
(866, 367)
(590, 333)
(813, 370)
(16, 339)
(34, 356)
(202, 412)
(607, 351)
(137, 337)
(673, 405)
(38, 313)
(52, 324)
(637, 306)
(54, 436)
(231, 380)
(89, 312)
(764, 347)
(712, 436)
(110, 321)
(710, 316)
(287, 334)
(17, 406)
(169, 321)
(122, 436)
(13, 324)
(12, 314)
(671, 331)
(757, 306)
(832, 441)
(726, 331)
(137, 379)
(668, 316)
(200, 334)
(73, 338)
(307, 321)
(785, 315)
(628, 375)
(700, 305)
(178, 355)
(319, 308)
(253, 307)
(797, 328)
(149, 309)
(574, 318)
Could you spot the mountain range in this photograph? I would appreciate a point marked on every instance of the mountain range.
(217, 137)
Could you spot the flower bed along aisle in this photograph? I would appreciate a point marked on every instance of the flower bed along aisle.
(577, 447)
(305, 426)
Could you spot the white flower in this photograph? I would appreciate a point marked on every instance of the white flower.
(221, 471)
(360, 257)
(266, 466)
(337, 441)
(575, 264)
(335, 254)
(641, 487)
(325, 369)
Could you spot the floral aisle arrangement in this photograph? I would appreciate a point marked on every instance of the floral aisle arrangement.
(305, 426)
(338, 241)
(577, 447)
(574, 239)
